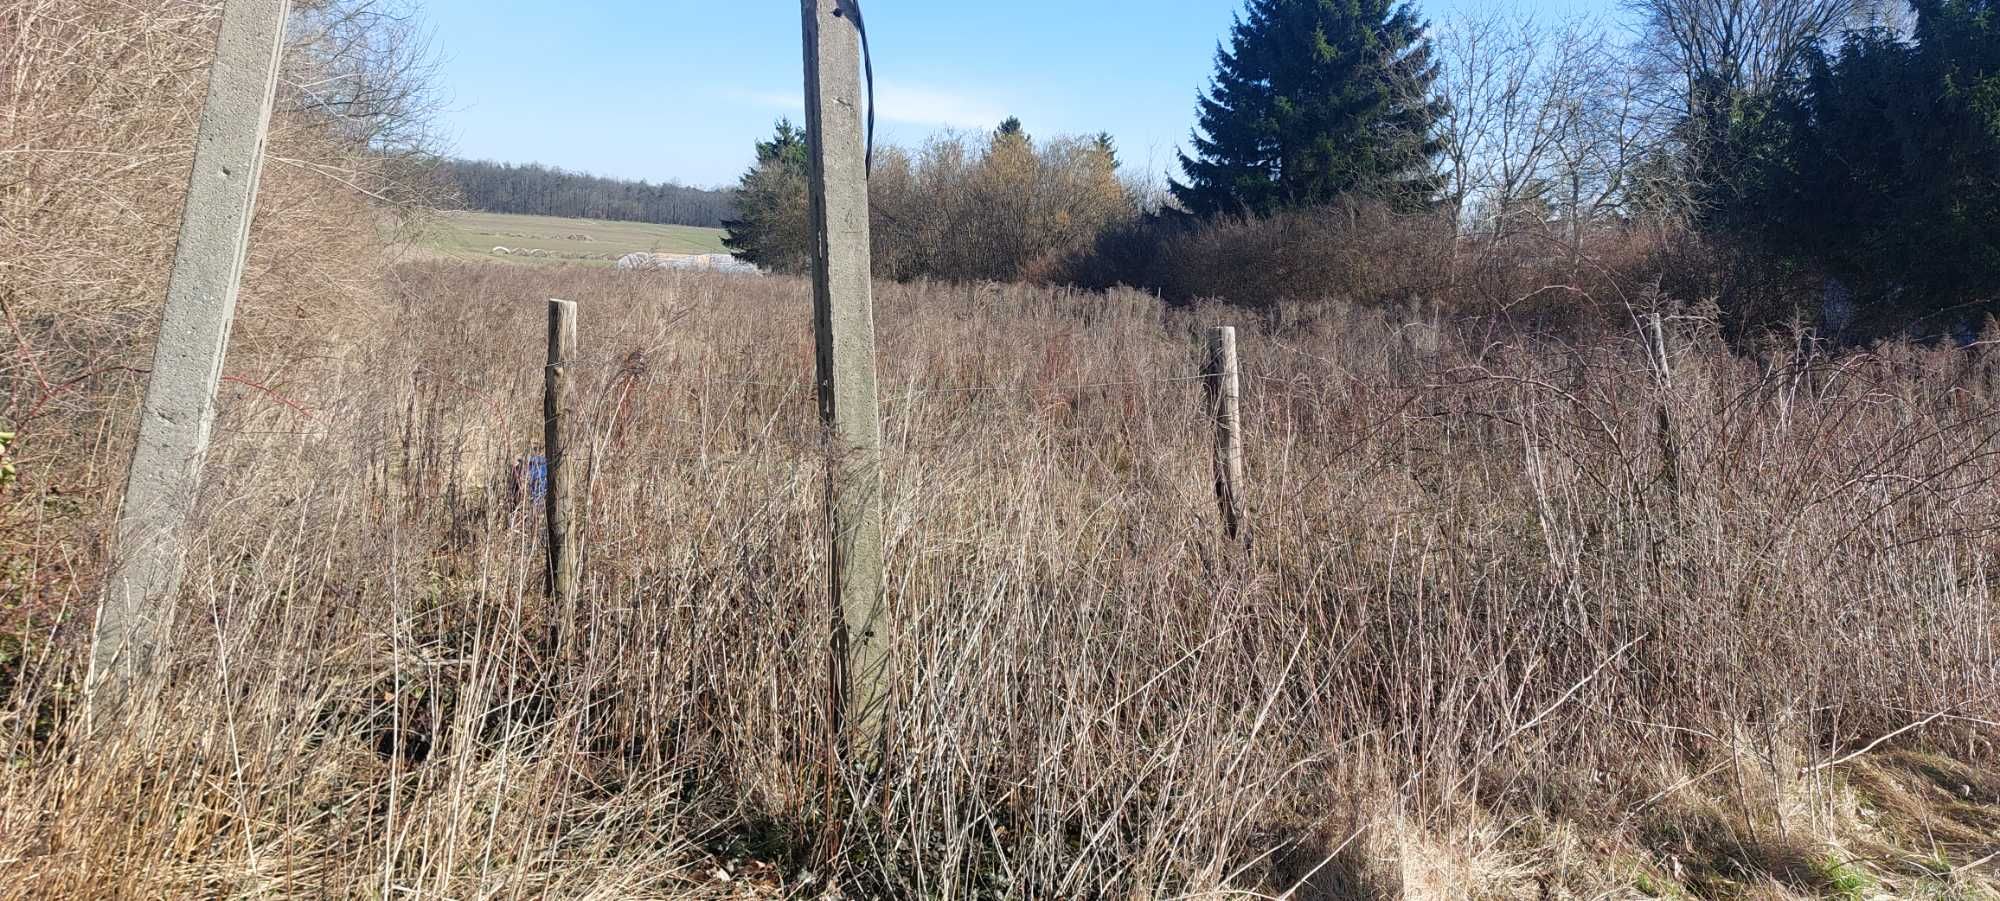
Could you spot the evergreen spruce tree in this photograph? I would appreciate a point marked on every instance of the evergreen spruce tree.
(1108, 146)
(1878, 167)
(1313, 100)
(773, 227)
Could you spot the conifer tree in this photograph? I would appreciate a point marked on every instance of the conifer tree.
(1313, 100)
(772, 227)
(1878, 167)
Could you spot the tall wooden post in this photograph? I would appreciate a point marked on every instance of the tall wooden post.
(179, 410)
(1663, 374)
(560, 502)
(1224, 384)
(844, 321)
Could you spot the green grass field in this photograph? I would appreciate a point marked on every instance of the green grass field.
(585, 241)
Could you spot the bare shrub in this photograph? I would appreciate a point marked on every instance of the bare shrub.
(1353, 253)
(1000, 207)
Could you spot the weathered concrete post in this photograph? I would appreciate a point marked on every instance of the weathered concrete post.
(560, 503)
(1225, 387)
(844, 321)
(148, 556)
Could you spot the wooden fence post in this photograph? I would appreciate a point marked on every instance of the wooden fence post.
(560, 501)
(148, 556)
(1224, 388)
(844, 323)
(1664, 424)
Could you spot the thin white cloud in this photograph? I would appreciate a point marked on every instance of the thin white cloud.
(905, 103)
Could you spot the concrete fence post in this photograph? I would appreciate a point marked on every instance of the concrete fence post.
(844, 324)
(1224, 388)
(148, 557)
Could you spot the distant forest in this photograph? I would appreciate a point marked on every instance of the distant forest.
(539, 190)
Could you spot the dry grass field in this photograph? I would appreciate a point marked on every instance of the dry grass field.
(590, 242)
(1489, 641)
(1522, 617)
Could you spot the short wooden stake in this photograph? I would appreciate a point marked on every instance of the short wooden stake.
(561, 498)
(179, 410)
(844, 322)
(1224, 388)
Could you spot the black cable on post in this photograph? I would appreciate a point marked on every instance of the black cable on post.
(851, 9)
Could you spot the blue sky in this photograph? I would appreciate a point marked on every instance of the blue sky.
(678, 89)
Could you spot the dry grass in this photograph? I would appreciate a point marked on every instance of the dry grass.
(1491, 641)
(95, 149)
(98, 105)
(1483, 646)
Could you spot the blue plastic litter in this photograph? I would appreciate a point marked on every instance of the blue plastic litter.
(531, 477)
(538, 478)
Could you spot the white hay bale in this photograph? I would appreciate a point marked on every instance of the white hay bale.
(722, 262)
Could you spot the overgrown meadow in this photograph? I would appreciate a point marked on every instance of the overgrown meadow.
(1520, 617)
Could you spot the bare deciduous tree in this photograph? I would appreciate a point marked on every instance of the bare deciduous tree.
(366, 72)
(993, 207)
(1546, 123)
(368, 65)
(1703, 58)
(1737, 45)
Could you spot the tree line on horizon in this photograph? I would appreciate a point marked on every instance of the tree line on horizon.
(536, 190)
(1346, 149)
